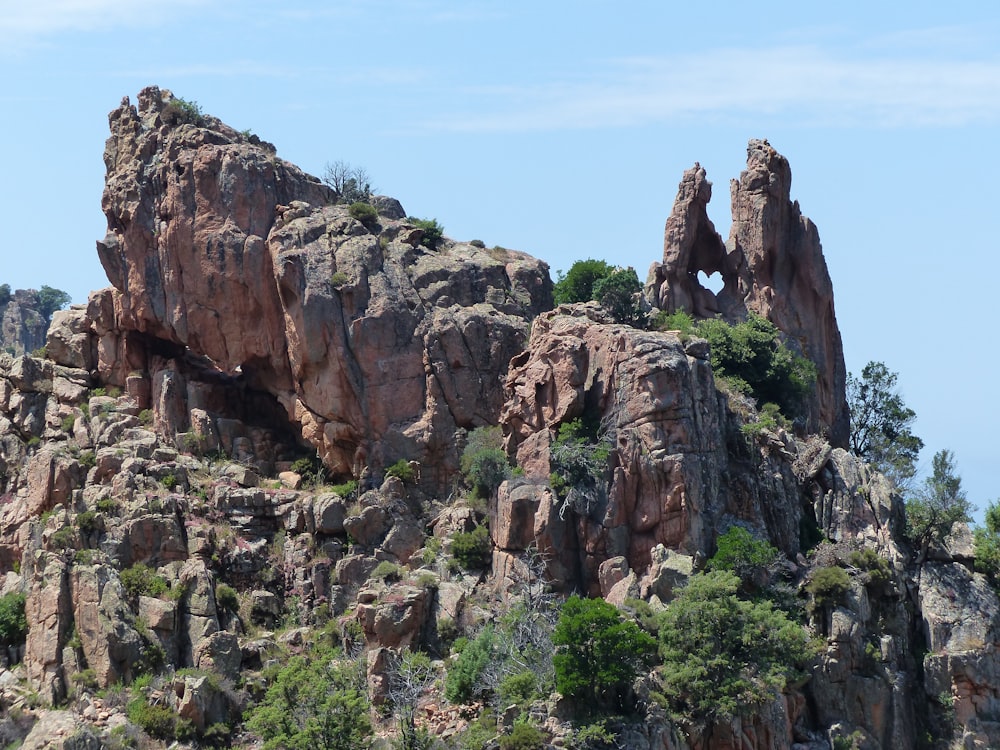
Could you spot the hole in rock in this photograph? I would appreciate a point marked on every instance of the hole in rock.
(713, 283)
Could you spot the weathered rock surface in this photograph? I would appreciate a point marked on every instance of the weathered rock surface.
(22, 325)
(666, 422)
(772, 265)
(376, 347)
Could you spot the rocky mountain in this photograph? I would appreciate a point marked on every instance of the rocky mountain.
(253, 447)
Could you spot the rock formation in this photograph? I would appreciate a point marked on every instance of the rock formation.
(22, 326)
(152, 517)
(375, 347)
(772, 265)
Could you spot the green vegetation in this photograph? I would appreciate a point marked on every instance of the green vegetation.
(881, 422)
(226, 598)
(615, 288)
(750, 559)
(472, 549)
(179, 111)
(939, 504)
(433, 232)
(339, 279)
(365, 213)
(13, 623)
(987, 544)
(828, 586)
(875, 568)
(50, 300)
(158, 720)
(403, 471)
(579, 462)
(598, 654)
(523, 736)
(753, 358)
(5, 294)
(618, 294)
(464, 673)
(724, 656)
(484, 462)
(142, 580)
(316, 701)
(387, 571)
(577, 284)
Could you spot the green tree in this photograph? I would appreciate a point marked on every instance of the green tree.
(13, 622)
(937, 505)
(752, 356)
(598, 654)
(881, 422)
(618, 294)
(987, 544)
(315, 701)
(484, 462)
(722, 655)
(50, 300)
(5, 294)
(750, 559)
(463, 675)
(577, 284)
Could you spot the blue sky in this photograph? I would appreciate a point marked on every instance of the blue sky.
(562, 129)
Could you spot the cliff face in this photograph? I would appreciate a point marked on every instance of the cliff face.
(376, 347)
(772, 265)
(251, 318)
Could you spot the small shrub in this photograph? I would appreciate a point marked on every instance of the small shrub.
(180, 111)
(679, 321)
(86, 679)
(523, 737)
(88, 521)
(169, 481)
(67, 423)
(146, 417)
(387, 571)
(142, 580)
(365, 213)
(433, 232)
(346, 489)
(63, 538)
(876, 568)
(226, 598)
(87, 460)
(477, 243)
(828, 586)
(339, 279)
(107, 506)
(472, 549)
(84, 556)
(156, 720)
(402, 470)
(749, 558)
(518, 688)
(463, 675)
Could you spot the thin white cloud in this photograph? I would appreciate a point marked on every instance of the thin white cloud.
(799, 84)
(23, 24)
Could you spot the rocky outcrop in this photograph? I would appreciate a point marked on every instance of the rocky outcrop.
(22, 325)
(772, 265)
(375, 346)
(658, 408)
